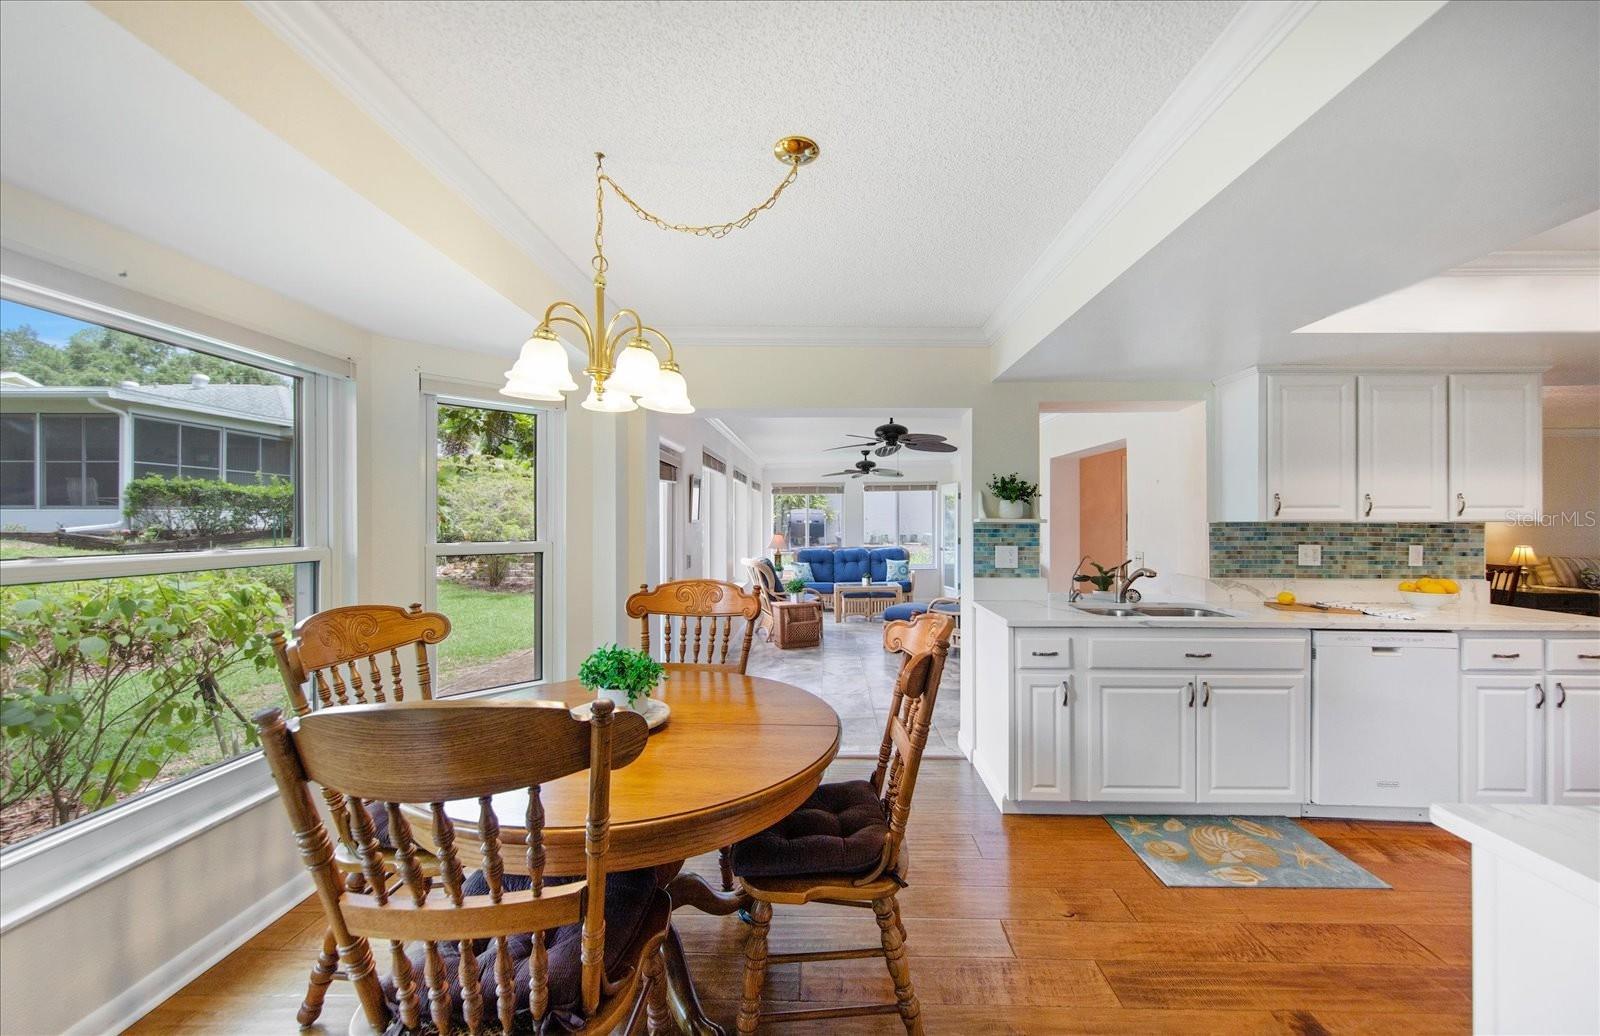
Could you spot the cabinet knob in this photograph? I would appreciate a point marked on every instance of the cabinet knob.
(1540, 688)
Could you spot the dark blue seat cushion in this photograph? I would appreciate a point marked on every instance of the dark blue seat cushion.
(911, 609)
(629, 895)
(821, 588)
(840, 829)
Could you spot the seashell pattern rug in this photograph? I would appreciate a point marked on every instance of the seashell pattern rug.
(1238, 852)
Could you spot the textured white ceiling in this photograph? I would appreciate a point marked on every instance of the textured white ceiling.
(957, 138)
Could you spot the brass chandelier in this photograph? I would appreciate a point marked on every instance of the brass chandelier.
(623, 371)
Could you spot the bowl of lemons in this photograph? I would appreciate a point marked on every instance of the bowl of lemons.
(1428, 592)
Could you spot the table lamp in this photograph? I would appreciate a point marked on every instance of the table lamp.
(776, 546)
(1523, 555)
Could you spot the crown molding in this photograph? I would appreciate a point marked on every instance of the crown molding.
(721, 428)
(308, 29)
(858, 337)
(1253, 33)
(1529, 264)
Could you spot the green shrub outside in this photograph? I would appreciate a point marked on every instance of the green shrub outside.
(178, 507)
(487, 500)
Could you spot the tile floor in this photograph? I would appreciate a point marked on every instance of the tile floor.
(853, 673)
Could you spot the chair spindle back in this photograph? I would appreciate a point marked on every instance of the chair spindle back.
(427, 754)
(711, 607)
(330, 649)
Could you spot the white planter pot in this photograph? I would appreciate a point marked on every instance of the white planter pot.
(1099, 595)
(1015, 508)
(615, 697)
(795, 598)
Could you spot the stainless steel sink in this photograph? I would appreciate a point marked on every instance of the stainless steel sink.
(1113, 610)
(1167, 611)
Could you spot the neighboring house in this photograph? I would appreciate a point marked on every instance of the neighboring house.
(66, 452)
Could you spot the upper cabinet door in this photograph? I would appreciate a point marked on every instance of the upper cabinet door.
(1496, 439)
(1402, 466)
(1311, 447)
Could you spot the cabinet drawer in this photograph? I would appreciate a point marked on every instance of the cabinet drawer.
(1573, 656)
(1502, 654)
(1044, 651)
(1197, 653)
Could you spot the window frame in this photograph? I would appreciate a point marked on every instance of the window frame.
(32, 462)
(547, 443)
(42, 463)
(829, 489)
(39, 874)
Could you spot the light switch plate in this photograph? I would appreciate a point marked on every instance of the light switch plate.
(1414, 555)
(1005, 557)
(1310, 554)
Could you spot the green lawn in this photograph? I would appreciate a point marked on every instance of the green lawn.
(12, 549)
(484, 624)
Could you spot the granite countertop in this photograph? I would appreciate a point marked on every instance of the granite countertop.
(1464, 615)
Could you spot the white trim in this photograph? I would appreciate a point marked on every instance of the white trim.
(721, 428)
(1529, 264)
(22, 571)
(35, 877)
(849, 336)
(149, 992)
(1255, 31)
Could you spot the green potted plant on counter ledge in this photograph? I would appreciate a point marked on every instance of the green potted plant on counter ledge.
(622, 676)
(1014, 494)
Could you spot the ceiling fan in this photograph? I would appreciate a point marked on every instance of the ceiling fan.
(864, 467)
(887, 439)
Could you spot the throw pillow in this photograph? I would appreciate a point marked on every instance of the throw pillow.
(1590, 578)
(802, 571)
(899, 571)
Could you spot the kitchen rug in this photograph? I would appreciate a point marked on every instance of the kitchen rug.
(1238, 852)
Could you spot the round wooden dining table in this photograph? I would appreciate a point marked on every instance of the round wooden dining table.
(737, 754)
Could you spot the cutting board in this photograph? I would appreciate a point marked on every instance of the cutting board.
(1315, 611)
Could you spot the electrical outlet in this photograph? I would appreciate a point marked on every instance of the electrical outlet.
(1005, 557)
(1310, 554)
(1414, 555)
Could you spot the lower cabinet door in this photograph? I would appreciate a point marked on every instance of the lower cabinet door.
(1141, 737)
(1044, 707)
(1254, 737)
(1504, 729)
(1573, 720)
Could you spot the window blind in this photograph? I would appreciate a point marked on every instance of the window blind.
(808, 489)
(901, 487)
(669, 471)
(739, 476)
(713, 462)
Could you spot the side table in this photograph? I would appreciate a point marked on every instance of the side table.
(797, 624)
(866, 601)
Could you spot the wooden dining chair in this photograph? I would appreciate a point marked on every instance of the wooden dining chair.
(497, 952)
(711, 607)
(846, 844)
(1503, 583)
(327, 653)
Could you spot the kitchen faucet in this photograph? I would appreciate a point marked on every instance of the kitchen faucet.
(1125, 580)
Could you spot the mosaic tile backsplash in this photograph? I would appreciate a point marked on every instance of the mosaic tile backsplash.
(1350, 550)
(986, 536)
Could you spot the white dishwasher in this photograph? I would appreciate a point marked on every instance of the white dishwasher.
(1385, 718)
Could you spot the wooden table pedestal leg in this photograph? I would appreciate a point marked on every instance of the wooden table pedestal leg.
(682, 1001)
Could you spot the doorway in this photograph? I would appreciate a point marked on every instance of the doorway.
(1088, 511)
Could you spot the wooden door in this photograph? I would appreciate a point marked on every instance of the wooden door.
(1254, 737)
(1573, 757)
(1402, 468)
(1311, 447)
(1504, 727)
(1496, 447)
(1043, 736)
(1103, 506)
(1141, 737)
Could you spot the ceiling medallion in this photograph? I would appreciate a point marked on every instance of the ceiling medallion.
(624, 373)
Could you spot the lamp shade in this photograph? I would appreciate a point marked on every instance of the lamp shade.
(608, 401)
(670, 395)
(777, 542)
(541, 370)
(1522, 554)
(636, 369)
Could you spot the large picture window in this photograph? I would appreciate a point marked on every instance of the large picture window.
(808, 515)
(901, 515)
(132, 652)
(488, 571)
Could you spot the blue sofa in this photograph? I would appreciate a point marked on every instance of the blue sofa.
(830, 566)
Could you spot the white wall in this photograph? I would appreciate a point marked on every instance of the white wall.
(692, 436)
(1166, 480)
(1571, 502)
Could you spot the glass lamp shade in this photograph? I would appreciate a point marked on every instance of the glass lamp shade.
(611, 402)
(670, 395)
(635, 373)
(541, 370)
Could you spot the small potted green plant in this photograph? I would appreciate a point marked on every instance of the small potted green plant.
(1102, 579)
(621, 675)
(1014, 494)
(795, 586)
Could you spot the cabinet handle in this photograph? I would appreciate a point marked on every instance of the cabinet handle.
(1190, 705)
(1590, 658)
(1066, 691)
(1514, 654)
(1368, 512)
(1205, 703)
(1540, 688)
(1197, 654)
(1277, 505)
(1563, 692)
(1045, 654)
(1461, 505)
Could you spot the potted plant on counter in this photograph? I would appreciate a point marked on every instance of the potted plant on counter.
(1102, 580)
(621, 676)
(1014, 493)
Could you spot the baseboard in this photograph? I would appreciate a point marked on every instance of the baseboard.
(149, 992)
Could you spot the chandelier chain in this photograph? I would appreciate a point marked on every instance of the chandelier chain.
(711, 230)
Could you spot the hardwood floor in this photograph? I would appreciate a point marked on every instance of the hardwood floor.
(1036, 925)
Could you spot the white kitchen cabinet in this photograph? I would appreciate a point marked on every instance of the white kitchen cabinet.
(1496, 446)
(1043, 733)
(1573, 746)
(1141, 737)
(1504, 733)
(1402, 435)
(1252, 738)
(1311, 447)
